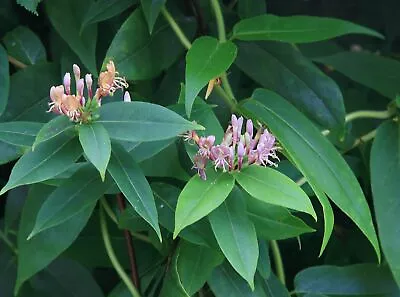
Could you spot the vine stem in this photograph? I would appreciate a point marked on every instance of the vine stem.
(372, 114)
(16, 63)
(8, 242)
(111, 254)
(276, 253)
(178, 31)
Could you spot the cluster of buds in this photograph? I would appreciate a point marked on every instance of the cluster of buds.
(76, 106)
(236, 149)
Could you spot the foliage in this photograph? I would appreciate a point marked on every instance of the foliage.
(128, 184)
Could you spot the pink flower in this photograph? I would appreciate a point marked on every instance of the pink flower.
(220, 154)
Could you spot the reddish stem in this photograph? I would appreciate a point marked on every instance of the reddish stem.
(131, 250)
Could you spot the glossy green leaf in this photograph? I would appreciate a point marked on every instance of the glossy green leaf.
(79, 192)
(29, 93)
(236, 235)
(96, 145)
(45, 162)
(274, 222)
(13, 208)
(281, 68)
(378, 73)
(50, 243)
(264, 262)
(105, 9)
(19, 133)
(360, 279)
(141, 121)
(151, 10)
(132, 183)
(385, 172)
(4, 79)
(205, 60)
(82, 43)
(10, 152)
(52, 129)
(199, 197)
(296, 29)
(195, 264)
(251, 8)
(314, 156)
(140, 58)
(141, 151)
(30, 5)
(25, 46)
(271, 186)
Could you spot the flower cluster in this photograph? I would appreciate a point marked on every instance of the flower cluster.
(76, 106)
(236, 149)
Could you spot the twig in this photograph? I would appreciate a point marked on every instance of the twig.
(16, 63)
(280, 272)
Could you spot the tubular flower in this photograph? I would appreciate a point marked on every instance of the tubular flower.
(236, 149)
(76, 106)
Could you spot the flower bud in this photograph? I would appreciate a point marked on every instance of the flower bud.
(249, 127)
(77, 72)
(241, 152)
(127, 97)
(80, 85)
(67, 83)
(89, 83)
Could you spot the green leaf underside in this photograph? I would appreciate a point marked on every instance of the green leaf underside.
(199, 197)
(96, 145)
(50, 243)
(141, 121)
(236, 235)
(133, 184)
(205, 60)
(314, 156)
(52, 129)
(296, 29)
(47, 161)
(4, 79)
(385, 172)
(281, 68)
(19, 133)
(273, 187)
(80, 191)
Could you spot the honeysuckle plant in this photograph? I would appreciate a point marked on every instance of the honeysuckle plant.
(118, 178)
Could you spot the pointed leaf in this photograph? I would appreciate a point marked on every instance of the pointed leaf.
(52, 129)
(296, 29)
(19, 133)
(141, 121)
(314, 156)
(151, 10)
(251, 8)
(199, 197)
(205, 60)
(236, 235)
(96, 145)
(385, 172)
(4, 79)
(84, 188)
(274, 64)
(132, 183)
(48, 160)
(30, 5)
(271, 186)
(50, 243)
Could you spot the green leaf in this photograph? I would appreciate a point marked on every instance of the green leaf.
(96, 145)
(318, 160)
(4, 79)
(151, 10)
(385, 171)
(199, 197)
(139, 58)
(195, 264)
(274, 64)
(48, 160)
(274, 222)
(80, 191)
(38, 252)
(142, 151)
(13, 207)
(82, 43)
(271, 186)
(19, 133)
(25, 46)
(251, 8)
(141, 121)
(378, 73)
(264, 262)
(236, 235)
(8, 271)
(132, 183)
(205, 60)
(52, 129)
(296, 29)
(10, 152)
(360, 279)
(29, 93)
(30, 5)
(105, 9)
